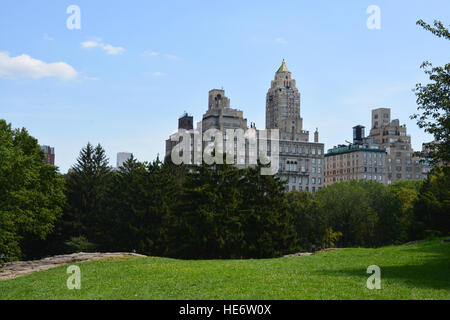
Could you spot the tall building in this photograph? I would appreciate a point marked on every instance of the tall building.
(301, 161)
(220, 115)
(49, 153)
(122, 157)
(401, 163)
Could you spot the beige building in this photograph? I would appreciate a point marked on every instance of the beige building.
(385, 155)
(220, 116)
(301, 161)
(355, 162)
(401, 164)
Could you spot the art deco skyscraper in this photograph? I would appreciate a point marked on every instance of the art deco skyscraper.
(283, 106)
(301, 161)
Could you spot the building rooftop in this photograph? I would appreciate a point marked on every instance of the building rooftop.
(283, 67)
(353, 148)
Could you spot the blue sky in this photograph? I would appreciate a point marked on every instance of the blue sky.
(135, 66)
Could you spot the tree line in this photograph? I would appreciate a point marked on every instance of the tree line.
(197, 212)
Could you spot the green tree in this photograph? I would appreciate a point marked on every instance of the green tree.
(310, 222)
(206, 222)
(433, 101)
(268, 225)
(31, 194)
(86, 188)
(349, 209)
(140, 201)
(406, 192)
(432, 208)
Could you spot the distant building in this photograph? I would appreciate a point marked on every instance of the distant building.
(219, 116)
(355, 162)
(123, 157)
(49, 153)
(360, 160)
(402, 164)
(385, 155)
(301, 161)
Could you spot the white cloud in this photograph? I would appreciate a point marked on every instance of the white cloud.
(89, 44)
(24, 66)
(150, 54)
(158, 74)
(281, 40)
(109, 49)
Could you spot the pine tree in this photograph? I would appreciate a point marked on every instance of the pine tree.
(87, 184)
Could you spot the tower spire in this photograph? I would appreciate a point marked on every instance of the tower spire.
(283, 67)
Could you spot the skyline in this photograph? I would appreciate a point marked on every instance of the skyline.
(130, 74)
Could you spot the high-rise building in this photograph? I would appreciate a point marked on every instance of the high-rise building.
(49, 153)
(123, 157)
(301, 161)
(401, 163)
(219, 114)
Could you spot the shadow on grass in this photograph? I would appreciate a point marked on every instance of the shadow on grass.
(429, 267)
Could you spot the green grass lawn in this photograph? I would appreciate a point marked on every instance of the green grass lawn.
(417, 271)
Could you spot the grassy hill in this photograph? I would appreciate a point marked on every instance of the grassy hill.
(415, 271)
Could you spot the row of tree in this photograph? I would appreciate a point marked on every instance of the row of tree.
(193, 212)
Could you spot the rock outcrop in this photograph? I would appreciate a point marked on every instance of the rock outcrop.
(20, 268)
